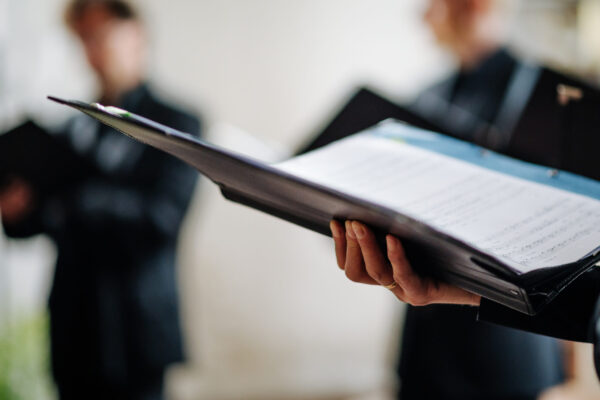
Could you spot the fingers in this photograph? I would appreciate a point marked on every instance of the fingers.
(348, 254)
(376, 265)
(420, 291)
(402, 270)
(339, 238)
(359, 255)
(355, 266)
(412, 288)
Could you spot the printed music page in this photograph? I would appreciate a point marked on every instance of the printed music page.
(526, 224)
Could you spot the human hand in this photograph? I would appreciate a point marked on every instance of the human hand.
(16, 201)
(360, 257)
(572, 390)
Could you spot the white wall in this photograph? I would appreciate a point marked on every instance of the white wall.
(275, 68)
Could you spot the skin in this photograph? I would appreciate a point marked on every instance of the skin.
(469, 29)
(16, 201)
(115, 50)
(358, 254)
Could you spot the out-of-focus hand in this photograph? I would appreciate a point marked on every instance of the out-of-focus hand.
(360, 257)
(581, 381)
(571, 391)
(16, 201)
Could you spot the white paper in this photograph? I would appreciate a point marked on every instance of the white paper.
(526, 224)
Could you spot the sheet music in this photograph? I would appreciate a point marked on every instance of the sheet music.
(526, 224)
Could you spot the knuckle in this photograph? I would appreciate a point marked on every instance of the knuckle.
(417, 299)
(399, 276)
(401, 296)
(354, 275)
(377, 274)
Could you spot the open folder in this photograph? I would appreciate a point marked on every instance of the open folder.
(513, 232)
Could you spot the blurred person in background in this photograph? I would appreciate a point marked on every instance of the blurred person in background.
(114, 315)
(445, 352)
(474, 32)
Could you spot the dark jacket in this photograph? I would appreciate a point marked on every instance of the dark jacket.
(573, 315)
(445, 352)
(114, 304)
(470, 104)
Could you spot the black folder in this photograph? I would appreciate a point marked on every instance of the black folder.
(364, 109)
(562, 136)
(31, 153)
(260, 186)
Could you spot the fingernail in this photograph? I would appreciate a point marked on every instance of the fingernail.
(335, 229)
(349, 230)
(359, 231)
(392, 243)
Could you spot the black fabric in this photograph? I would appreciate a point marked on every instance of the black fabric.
(467, 104)
(113, 304)
(364, 109)
(559, 135)
(570, 316)
(32, 153)
(139, 387)
(573, 315)
(562, 136)
(445, 352)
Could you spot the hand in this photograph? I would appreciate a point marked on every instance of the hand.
(16, 201)
(582, 389)
(359, 256)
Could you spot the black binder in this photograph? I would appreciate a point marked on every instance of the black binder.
(562, 136)
(364, 109)
(311, 205)
(31, 153)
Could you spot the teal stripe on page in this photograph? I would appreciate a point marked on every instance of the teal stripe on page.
(474, 154)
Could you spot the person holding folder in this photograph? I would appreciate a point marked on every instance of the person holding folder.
(445, 353)
(114, 314)
(477, 93)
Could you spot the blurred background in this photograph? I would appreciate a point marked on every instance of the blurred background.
(272, 319)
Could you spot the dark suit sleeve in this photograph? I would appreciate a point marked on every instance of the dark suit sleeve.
(571, 316)
(137, 217)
